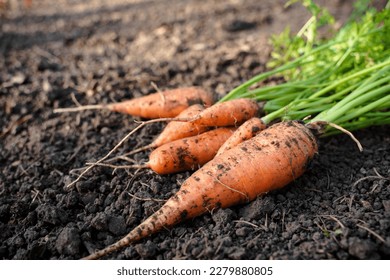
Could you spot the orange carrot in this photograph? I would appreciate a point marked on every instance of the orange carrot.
(188, 153)
(185, 154)
(166, 104)
(175, 130)
(247, 130)
(270, 160)
(178, 130)
(228, 113)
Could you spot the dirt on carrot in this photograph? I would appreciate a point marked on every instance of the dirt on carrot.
(268, 161)
(188, 153)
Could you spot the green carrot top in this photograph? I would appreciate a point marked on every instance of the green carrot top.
(343, 79)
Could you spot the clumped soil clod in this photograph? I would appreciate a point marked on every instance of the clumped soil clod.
(52, 55)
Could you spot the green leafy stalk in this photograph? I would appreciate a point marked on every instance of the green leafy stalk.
(343, 80)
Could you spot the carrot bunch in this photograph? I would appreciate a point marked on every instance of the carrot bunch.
(195, 136)
(342, 84)
(195, 131)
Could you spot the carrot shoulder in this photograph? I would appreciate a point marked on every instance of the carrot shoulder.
(270, 160)
(166, 104)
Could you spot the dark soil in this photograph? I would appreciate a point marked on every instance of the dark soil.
(340, 209)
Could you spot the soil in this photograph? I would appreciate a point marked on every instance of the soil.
(103, 51)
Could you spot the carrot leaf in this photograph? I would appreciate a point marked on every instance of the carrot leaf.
(342, 79)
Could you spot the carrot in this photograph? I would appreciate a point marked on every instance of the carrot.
(178, 129)
(247, 130)
(270, 160)
(185, 154)
(175, 130)
(228, 113)
(166, 104)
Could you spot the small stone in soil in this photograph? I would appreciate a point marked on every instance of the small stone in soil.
(68, 241)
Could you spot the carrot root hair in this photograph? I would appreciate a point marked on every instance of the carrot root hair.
(132, 166)
(80, 108)
(319, 126)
